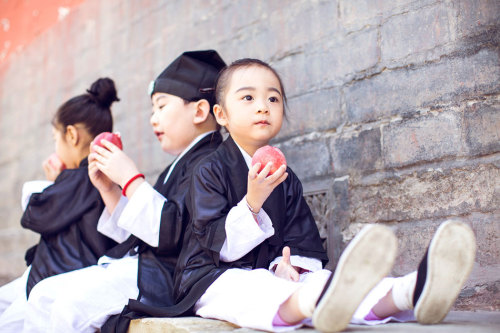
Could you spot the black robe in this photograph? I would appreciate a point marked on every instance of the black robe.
(156, 265)
(219, 182)
(65, 215)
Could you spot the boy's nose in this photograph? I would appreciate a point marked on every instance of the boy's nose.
(153, 119)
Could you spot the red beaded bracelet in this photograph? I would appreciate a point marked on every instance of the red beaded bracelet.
(124, 190)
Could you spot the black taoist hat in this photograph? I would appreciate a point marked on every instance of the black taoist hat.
(191, 76)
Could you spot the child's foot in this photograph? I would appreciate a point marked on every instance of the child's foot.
(366, 260)
(443, 271)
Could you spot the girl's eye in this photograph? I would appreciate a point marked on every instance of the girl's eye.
(273, 99)
(247, 98)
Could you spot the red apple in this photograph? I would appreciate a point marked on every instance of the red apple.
(267, 154)
(114, 138)
(56, 162)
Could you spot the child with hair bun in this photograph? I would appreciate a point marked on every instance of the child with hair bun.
(65, 209)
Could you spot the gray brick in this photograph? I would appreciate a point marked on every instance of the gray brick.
(415, 32)
(302, 117)
(354, 14)
(422, 139)
(405, 90)
(360, 152)
(308, 159)
(330, 63)
(474, 15)
(482, 128)
(427, 194)
(314, 22)
(412, 249)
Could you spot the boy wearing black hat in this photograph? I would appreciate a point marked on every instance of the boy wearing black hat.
(148, 221)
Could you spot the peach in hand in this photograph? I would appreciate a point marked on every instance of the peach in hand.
(267, 154)
(114, 138)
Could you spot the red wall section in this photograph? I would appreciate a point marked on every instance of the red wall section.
(21, 21)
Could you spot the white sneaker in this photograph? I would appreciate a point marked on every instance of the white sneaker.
(366, 260)
(443, 271)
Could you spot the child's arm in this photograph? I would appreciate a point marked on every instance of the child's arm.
(260, 185)
(247, 225)
(61, 204)
(34, 186)
(300, 232)
(109, 191)
(146, 208)
(117, 166)
(244, 231)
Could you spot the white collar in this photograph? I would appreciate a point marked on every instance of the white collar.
(246, 156)
(191, 145)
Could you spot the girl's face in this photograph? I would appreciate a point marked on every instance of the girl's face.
(172, 122)
(63, 148)
(253, 107)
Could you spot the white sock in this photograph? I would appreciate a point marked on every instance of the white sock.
(402, 291)
(309, 293)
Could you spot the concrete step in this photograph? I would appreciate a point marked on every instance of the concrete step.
(455, 322)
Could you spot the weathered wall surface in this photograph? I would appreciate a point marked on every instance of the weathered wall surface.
(394, 108)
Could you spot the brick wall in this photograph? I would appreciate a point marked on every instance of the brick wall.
(394, 108)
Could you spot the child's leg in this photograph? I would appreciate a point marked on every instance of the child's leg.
(82, 300)
(248, 298)
(12, 290)
(443, 271)
(13, 304)
(12, 319)
(441, 274)
(253, 298)
(300, 305)
(366, 260)
(399, 298)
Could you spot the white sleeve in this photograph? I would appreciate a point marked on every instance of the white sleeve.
(142, 215)
(310, 264)
(34, 186)
(243, 233)
(108, 223)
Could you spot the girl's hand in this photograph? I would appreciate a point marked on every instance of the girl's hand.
(52, 168)
(114, 163)
(99, 179)
(284, 269)
(260, 185)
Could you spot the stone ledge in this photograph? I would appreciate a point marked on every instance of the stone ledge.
(182, 325)
(455, 322)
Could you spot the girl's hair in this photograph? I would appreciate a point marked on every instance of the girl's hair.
(227, 72)
(91, 109)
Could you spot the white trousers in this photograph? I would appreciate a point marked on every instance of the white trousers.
(13, 304)
(81, 300)
(251, 298)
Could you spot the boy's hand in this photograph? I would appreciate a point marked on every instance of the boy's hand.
(284, 269)
(113, 163)
(52, 168)
(260, 185)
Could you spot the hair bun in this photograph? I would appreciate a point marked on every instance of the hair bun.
(104, 92)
